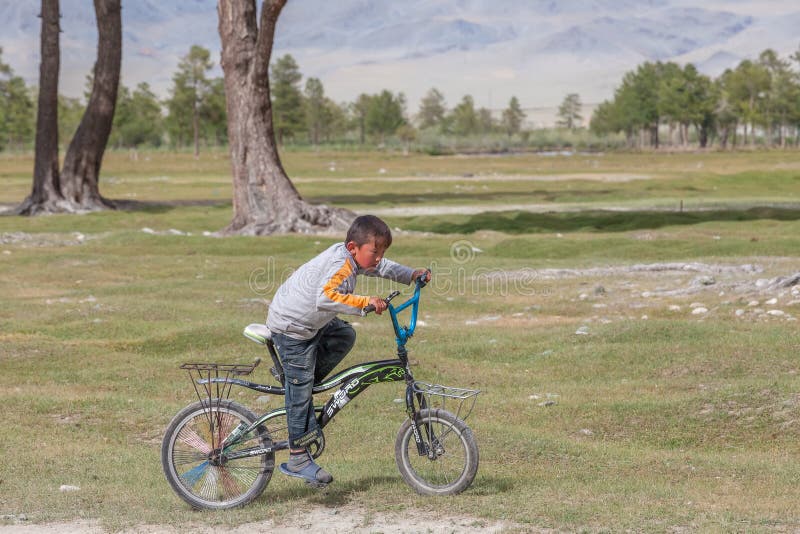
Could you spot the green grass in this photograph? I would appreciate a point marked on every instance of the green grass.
(674, 422)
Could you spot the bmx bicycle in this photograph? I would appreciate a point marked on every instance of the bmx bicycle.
(217, 454)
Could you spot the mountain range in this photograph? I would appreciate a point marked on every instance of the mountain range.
(537, 50)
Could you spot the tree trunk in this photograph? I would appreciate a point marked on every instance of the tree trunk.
(264, 199)
(84, 157)
(46, 194)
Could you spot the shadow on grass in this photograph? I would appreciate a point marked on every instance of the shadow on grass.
(341, 493)
(523, 222)
(155, 206)
(476, 196)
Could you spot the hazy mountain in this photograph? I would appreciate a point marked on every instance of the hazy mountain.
(538, 50)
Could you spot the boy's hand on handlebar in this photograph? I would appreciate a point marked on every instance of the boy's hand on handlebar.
(421, 274)
(379, 304)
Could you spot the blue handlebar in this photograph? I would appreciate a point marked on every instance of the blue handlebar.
(402, 333)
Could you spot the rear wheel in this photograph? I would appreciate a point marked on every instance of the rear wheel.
(450, 460)
(203, 475)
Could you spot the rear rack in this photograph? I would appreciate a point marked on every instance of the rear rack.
(201, 375)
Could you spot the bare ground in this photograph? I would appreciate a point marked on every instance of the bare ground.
(340, 520)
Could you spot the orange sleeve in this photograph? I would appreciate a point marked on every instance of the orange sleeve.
(330, 289)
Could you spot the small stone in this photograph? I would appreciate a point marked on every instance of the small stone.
(697, 305)
(646, 294)
(583, 296)
(739, 312)
(644, 317)
(547, 403)
(752, 303)
(771, 301)
(586, 432)
(599, 290)
(674, 307)
(582, 331)
(22, 517)
(67, 487)
(534, 397)
(148, 230)
(699, 310)
(599, 305)
(548, 352)
(398, 401)
(704, 281)
(776, 313)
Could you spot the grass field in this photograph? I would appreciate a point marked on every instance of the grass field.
(660, 418)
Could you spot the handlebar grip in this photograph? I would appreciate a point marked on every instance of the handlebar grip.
(368, 309)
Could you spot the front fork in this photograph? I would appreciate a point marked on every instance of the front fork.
(423, 445)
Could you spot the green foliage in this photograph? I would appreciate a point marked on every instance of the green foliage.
(137, 119)
(17, 117)
(315, 109)
(513, 117)
(190, 91)
(70, 112)
(385, 114)
(432, 109)
(288, 114)
(569, 112)
(463, 119)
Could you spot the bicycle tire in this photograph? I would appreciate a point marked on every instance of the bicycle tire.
(186, 456)
(454, 466)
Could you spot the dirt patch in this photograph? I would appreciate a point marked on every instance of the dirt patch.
(26, 240)
(344, 519)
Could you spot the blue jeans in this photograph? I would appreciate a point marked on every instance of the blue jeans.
(307, 362)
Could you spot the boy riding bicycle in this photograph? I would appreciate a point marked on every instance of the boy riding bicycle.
(311, 340)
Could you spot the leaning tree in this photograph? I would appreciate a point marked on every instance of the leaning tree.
(81, 173)
(264, 199)
(76, 188)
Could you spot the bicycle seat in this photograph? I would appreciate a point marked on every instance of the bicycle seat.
(258, 332)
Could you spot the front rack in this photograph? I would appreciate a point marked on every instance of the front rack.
(436, 396)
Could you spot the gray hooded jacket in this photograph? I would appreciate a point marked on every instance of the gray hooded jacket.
(322, 288)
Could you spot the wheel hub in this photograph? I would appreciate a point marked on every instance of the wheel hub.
(217, 458)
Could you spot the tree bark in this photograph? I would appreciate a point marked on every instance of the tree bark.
(46, 194)
(264, 199)
(81, 172)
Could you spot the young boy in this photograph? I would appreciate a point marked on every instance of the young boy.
(311, 340)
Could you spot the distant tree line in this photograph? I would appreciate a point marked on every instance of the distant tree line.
(194, 114)
(656, 104)
(758, 102)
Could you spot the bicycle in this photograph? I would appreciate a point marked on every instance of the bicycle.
(217, 454)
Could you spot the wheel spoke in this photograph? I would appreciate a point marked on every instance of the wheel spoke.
(203, 475)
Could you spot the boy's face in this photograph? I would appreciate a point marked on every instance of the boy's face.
(368, 255)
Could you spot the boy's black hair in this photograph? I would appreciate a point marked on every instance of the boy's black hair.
(367, 227)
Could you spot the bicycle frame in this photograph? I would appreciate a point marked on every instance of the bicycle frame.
(352, 382)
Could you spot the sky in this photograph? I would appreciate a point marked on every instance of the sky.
(536, 50)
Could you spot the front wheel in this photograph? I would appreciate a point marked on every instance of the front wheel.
(199, 471)
(448, 461)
